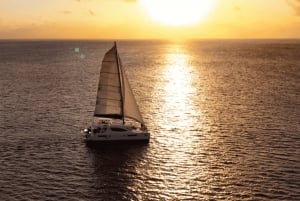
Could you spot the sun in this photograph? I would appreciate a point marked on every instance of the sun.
(177, 12)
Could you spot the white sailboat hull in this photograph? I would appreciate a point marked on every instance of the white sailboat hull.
(118, 137)
(115, 133)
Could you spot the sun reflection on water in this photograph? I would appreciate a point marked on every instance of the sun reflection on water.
(178, 124)
(178, 93)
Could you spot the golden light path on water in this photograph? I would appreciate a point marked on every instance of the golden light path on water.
(177, 147)
(178, 92)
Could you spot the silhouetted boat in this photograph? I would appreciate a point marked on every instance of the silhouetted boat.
(117, 116)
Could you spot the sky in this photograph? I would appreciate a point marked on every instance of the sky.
(129, 19)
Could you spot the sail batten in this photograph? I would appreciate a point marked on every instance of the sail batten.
(114, 96)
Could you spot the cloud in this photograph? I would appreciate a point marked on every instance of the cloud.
(92, 13)
(294, 4)
(237, 8)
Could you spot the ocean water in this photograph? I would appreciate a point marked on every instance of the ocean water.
(224, 117)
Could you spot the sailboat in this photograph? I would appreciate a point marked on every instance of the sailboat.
(117, 116)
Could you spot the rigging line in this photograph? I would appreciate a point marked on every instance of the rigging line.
(121, 81)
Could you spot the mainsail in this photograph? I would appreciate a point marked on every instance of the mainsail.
(114, 97)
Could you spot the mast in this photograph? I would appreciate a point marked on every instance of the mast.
(121, 82)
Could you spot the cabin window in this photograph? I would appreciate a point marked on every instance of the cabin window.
(118, 129)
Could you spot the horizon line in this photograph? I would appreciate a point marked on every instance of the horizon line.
(144, 39)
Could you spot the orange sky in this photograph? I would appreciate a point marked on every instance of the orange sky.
(127, 19)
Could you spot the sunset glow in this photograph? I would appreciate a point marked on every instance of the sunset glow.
(177, 12)
(149, 19)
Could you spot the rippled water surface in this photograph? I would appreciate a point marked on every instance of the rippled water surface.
(224, 118)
